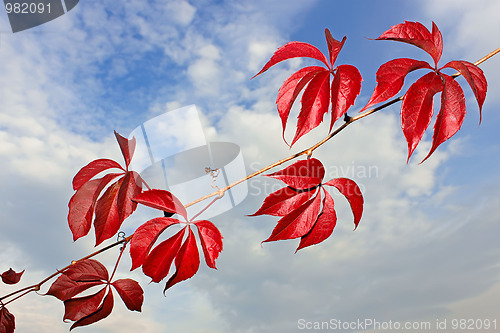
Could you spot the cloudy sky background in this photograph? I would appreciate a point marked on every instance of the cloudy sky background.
(426, 249)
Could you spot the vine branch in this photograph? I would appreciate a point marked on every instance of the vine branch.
(347, 121)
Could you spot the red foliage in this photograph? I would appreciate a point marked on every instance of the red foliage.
(305, 207)
(156, 262)
(303, 213)
(91, 308)
(319, 93)
(418, 106)
(112, 207)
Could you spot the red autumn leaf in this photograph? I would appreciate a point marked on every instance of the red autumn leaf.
(145, 236)
(294, 50)
(291, 88)
(7, 321)
(352, 192)
(130, 292)
(187, 261)
(324, 225)
(417, 108)
(82, 204)
(334, 46)
(11, 277)
(102, 312)
(298, 222)
(417, 34)
(157, 264)
(315, 103)
(211, 241)
(92, 169)
(318, 91)
(163, 200)
(302, 174)
(107, 219)
(87, 270)
(452, 113)
(127, 147)
(283, 201)
(129, 189)
(88, 309)
(475, 77)
(114, 206)
(65, 288)
(346, 86)
(80, 307)
(390, 78)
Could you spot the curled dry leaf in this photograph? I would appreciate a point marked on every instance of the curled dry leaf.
(11, 276)
(7, 320)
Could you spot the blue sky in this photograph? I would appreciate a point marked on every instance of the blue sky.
(427, 247)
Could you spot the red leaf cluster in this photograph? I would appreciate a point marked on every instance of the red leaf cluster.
(11, 277)
(114, 205)
(179, 248)
(418, 105)
(318, 92)
(303, 213)
(86, 310)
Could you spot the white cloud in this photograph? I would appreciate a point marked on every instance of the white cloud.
(425, 248)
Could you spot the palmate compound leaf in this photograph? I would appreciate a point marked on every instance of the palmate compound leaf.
(314, 81)
(111, 208)
(303, 213)
(417, 107)
(88, 309)
(7, 320)
(156, 261)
